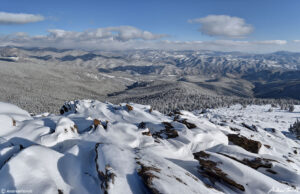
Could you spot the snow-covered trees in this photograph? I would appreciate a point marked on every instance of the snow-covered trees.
(169, 101)
(295, 128)
(291, 108)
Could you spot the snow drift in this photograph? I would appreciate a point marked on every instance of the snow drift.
(95, 147)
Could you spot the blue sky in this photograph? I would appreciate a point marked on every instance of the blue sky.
(268, 19)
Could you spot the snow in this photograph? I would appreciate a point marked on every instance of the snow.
(96, 147)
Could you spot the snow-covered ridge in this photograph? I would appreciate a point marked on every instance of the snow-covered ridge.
(95, 147)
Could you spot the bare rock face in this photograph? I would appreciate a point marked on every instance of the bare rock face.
(167, 133)
(210, 170)
(248, 144)
(107, 177)
(147, 175)
(189, 125)
(252, 127)
(253, 163)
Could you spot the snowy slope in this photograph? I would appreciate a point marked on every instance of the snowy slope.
(95, 147)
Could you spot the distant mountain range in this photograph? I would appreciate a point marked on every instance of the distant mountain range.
(274, 75)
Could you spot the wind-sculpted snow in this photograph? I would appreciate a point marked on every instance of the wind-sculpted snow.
(95, 147)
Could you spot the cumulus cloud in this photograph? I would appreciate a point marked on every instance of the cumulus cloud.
(128, 37)
(120, 33)
(296, 41)
(274, 42)
(19, 18)
(223, 26)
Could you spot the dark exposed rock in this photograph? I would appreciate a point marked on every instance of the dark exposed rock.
(175, 112)
(168, 132)
(252, 128)
(67, 108)
(187, 124)
(167, 125)
(14, 122)
(270, 129)
(255, 163)
(210, 170)
(74, 129)
(104, 124)
(267, 146)
(248, 144)
(105, 177)
(290, 161)
(271, 171)
(179, 180)
(295, 152)
(146, 173)
(148, 133)
(234, 129)
(201, 154)
(142, 125)
(150, 110)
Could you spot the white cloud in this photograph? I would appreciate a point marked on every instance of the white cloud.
(121, 33)
(19, 18)
(274, 42)
(223, 26)
(128, 37)
(296, 41)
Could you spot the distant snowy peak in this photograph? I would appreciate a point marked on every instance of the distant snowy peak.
(95, 147)
(200, 60)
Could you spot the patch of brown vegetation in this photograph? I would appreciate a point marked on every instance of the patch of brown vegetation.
(14, 122)
(105, 177)
(129, 108)
(210, 170)
(96, 122)
(248, 144)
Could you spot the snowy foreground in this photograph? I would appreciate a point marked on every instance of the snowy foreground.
(96, 147)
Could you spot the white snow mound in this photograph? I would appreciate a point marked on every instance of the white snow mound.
(95, 147)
